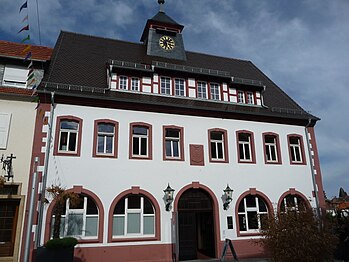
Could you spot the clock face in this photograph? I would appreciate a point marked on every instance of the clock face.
(166, 42)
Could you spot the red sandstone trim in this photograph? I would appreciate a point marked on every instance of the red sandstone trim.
(136, 191)
(181, 143)
(292, 192)
(225, 144)
(301, 148)
(150, 141)
(253, 152)
(278, 150)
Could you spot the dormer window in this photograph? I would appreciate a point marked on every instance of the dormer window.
(250, 98)
(135, 84)
(123, 82)
(202, 90)
(246, 97)
(241, 97)
(214, 91)
(165, 84)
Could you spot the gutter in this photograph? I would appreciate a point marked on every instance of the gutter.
(44, 174)
(318, 213)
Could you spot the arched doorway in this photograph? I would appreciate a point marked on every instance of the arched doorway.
(196, 225)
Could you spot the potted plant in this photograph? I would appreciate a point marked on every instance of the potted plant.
(57, 248)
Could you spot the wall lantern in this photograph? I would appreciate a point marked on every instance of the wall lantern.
(168, 197)
(228, 193)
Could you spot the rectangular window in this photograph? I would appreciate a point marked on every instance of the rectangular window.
(250, 98)
(270, 145)
(165, 85)
(179, 87)
(105, 138)
(217, 145)
(214, 89)
(140, 141)
(173, 143)
(15, 76)
(202, 90)
(123, 82)
(68, 135)
(135, 84)
(245, 147)
(296, 150)
(241, 97)
(5, 119)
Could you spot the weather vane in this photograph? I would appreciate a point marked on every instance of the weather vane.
(161, 3)
(7, 165)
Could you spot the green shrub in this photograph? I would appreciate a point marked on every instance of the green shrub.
(58, 243)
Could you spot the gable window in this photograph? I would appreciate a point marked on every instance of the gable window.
(245, 147)
(271, 148)
(202, 89)
(80, 219)
(241, 97)
(68, 136)
(173, 143)
(140, 146)
(123, 82)
(134, 216)
(5, 120)
(105, 138)
(296, 149)
(218, 145)
(214, 89)
(165, 85)
(179, 87)
(250, 98)
(293, 203)
(15, 76)
(252, 212)
(135, 84)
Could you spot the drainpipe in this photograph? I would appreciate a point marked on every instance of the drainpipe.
(44, 175)
(262, 97)
(312, 170)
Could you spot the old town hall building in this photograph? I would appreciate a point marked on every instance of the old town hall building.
(171, 151)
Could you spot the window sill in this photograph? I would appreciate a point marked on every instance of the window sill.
(66, 154)
(134, 239)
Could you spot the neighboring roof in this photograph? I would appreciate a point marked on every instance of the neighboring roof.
(81, 60)
(15, 50)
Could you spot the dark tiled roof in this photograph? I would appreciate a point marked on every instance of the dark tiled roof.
(15, 50)
(163, 18)
(81, 60)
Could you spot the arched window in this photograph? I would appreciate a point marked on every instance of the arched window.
(134, 216)
(252, 212)
(79, 219)
(293, 203)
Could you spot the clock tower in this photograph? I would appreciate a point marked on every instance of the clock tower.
(163, 36)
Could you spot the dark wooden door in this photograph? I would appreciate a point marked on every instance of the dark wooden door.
(8, 224)
(187, 235)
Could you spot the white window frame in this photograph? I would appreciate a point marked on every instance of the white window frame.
(245, 145)
(269, 147)
(142, 215)
(165, 85)
(296, 148)
(5, 122)
(216, 142)
(202, 89)
(69, 131)
(250, 98)
(123, 82)
(135, 84)
(140, 137)
(215, 91)
(173, 140)
(252, 209)
(15, 76)
(179, 87)
(105, 135)
(241, 97)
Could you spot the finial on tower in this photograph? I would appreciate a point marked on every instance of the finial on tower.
(161, 3)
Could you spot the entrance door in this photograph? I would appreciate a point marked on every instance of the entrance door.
(8, 224)
(196, 227)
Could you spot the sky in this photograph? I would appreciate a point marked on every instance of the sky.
(302, 45)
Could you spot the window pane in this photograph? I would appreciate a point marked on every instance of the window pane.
(250, 201)
(216, 136)
(294, 140)
(143, 146)
(241, 206)
(267, 151)
(135, 146)
(75, 223)
(133, 223)
(72, 141)
(91, 207)
(298, 154)
(64, 141)
(247, 152)
(220, 150)
(213, 150)
(139, 130)
(175, 149)
(263, 218)
(120, 207)
(109, 145)
(244, 137)
(91, 226)
(106, 128)
(78, 204)
(148, 225)
(100, 144)
(69, 125)
(252, 220)
(148, 207)
(262, 205)
(273, 153)
(118, 226)
(168, 148)
(241, 151)
(172, 133)
(269, 139)
(134, 202)
(242, 223)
